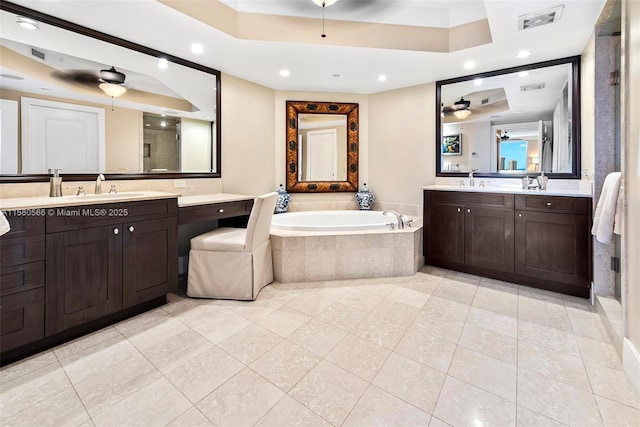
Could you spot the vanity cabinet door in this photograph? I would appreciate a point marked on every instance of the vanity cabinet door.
(553, 247)
(150, 260)
(444, 233)
(84, 273)
(489, 238)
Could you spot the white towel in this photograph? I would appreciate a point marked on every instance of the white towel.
(4, 224)
(603, 223)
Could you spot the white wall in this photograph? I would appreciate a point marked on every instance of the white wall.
(248, 128)
(474, 140)
(401, 144)
(195, 145)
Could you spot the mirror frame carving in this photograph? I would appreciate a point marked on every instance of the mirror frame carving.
(85, 31)
(308, 107)
(574, 61)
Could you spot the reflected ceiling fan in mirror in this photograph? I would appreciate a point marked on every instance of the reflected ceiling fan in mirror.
(323, 4)
(461, 108)
(110, 81)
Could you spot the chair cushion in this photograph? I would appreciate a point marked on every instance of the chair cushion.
(221, 239)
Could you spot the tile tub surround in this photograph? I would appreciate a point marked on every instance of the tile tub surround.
(391, 351)
(313, 256)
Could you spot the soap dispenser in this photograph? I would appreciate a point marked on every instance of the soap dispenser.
(55, 183)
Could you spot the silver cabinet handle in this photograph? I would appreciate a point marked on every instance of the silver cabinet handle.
(519, 215)
(131, 229)
(468, 210)
(116, 231)
(548, 203)
(459, 210)
(221, 210)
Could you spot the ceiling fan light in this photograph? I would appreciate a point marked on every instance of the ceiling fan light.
(462, 114)
(324, 3)
(111, 89)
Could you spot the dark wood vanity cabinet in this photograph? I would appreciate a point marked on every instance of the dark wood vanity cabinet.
(22, 292)
(553, 239)
(536, 240)
(100, 265)
(473, 229)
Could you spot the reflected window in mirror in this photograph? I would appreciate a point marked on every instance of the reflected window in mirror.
(322, 146)
(538, 104)
(73, 63)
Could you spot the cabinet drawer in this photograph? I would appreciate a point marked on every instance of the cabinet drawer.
(558, 204)
(21, 251)
(191, 214)
(470, 198)
(23, 226)
(21, 318)
(74, 217)
(21, 278)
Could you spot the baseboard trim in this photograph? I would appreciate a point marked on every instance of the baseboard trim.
(631, 363)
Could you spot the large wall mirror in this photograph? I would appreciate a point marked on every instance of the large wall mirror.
(511, 122)
(322, 146)
(87, 102)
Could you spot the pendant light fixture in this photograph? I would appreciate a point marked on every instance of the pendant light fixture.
(323, 4)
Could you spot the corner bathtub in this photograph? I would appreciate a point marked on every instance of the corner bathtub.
(332, 221)
(313, 246)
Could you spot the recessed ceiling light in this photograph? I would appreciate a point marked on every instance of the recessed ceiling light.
(477, 81)
(523, 74)
(28, 23)
(163, 64)
(469, 65)
(382, 78)
(197, 48)
(285, 73)
(163, 123)
(336, 75)
(523, 54)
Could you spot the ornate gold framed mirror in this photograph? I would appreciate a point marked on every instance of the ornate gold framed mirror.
(322, 147)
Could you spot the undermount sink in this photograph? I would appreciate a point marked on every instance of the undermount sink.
(123, 195)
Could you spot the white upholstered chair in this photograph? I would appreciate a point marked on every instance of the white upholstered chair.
(234, 263)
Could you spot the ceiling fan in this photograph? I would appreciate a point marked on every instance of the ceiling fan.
(111, 81)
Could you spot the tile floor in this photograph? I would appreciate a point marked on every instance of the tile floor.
(435, 349)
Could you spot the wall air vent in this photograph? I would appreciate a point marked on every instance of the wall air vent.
(484, 101)
(535, 86)
(37, 54)
(542, 17)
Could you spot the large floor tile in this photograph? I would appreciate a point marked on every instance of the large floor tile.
(487, 373)
(310, 304)
(411, 381)
(105, 389)
(288, 412)
(177, 350)
(560, 366)
(250, 343)
(455, 291)
(221, 326)
(86, 342)
(497, 301)
(491, 343)
(612, 384)
(377, 407)
(341, 316)
(551, 314)
(202, 374)
(329, 391)
(60, 409)
(425, 348)
(496, 322)
(26, 366)
(358, 356)
(618, 414)
(241, 401)
(283, 321)
(159, 403)
(557, 400)
(448, 308)
(461, 404)
(191, 418)
(555, 339)
(386, 324)
(317, 336)
(439, 326)
(529, 418)
(285, 364)
(363, 301)
(599, 351)
(256, 310)
(407, 296)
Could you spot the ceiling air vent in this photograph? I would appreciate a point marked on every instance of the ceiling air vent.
(535, 86)
(484, 101)
(542, 17)
(37, 54)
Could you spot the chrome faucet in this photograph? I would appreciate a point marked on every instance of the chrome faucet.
(99, 180)
(472, 181)
(528, 183)
(398, 218)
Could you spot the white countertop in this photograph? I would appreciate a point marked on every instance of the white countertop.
(572, 192)
(206, 199)
(18, 203)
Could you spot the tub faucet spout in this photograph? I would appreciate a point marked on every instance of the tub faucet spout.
(398, 218)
